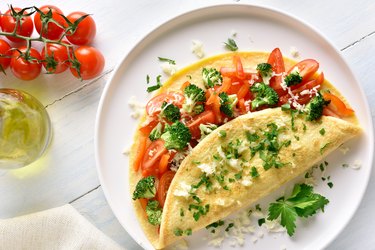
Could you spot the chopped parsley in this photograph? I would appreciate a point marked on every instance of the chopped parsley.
(257, 207)
(170, 61)
(322, 131)
(231, 45)
(180, 232)
(261, 221)
(216, 224)
(199, 210)
(154, 87)
(303, 202)
(330, 184)
(230, 225)
(204, 180)
(238, 175)
(254, 172)
(222, 133)
(324, 147)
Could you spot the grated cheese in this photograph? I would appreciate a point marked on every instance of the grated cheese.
(136, 107)
(168, 68)
(197, 48)
(209, 169)
(184, 190)
(294, 52)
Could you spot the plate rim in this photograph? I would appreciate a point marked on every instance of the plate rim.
(209, 7)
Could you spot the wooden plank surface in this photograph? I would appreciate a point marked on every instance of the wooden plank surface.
(67, 173)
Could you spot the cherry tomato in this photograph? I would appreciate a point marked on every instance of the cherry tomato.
(53, 31)
(305, 86)
(151, 158)
(55, 58)
(26, 69)
(5, 54)
(25, 27)
(86, 29)
(337, 105)
(277, 62)
(207, 116)
(91, 62)
(306, 68)
(154, 105)
(163, 186)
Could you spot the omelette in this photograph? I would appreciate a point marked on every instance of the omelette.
(247, 155)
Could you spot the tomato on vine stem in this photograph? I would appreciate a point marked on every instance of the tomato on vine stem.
(5, 54)
(90, 62)
(55, 58)
(25, 26)
(84, 32)
(26, 66)
(44, 14)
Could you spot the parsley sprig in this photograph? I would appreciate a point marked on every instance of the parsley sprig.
(303, 202)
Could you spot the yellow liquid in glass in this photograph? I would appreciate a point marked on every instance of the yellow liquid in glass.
(25, 129)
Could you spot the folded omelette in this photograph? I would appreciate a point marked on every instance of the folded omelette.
(241, 161)
(216, 178)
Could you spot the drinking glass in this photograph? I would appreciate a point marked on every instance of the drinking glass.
(25, 129)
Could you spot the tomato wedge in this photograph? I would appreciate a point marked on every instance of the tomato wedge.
(337, 106)
(163, 164)
(151, 158)
(306, 68)
(277, 62)
(207, 116)
(141, 151)
(154, 105)
(239, 68)
(148, 125)
(164, 183)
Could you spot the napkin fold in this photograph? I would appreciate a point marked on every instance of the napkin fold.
(53, 229)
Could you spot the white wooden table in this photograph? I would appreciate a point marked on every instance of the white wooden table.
(67, 173)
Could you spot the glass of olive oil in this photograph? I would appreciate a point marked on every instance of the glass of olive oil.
(25, 129)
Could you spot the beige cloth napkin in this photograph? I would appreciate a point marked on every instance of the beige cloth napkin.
(53, 229)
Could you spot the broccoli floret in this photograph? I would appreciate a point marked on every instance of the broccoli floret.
(194, 96)
(170, 111)
(265, 95)
(176, 136)
(145, 188)
(293, 78)
(228, 103)
(265, 71)
(198, 109)
(156, 132)
(211, 77)
(314, 109)
(154, 212)
(206, 129)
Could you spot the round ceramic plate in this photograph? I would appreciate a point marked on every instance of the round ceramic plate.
(254, 28)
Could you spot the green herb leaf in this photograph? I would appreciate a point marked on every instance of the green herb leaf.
(322, 131)
(154, 87)
(303, 202)
(231, 45)
(170, 61)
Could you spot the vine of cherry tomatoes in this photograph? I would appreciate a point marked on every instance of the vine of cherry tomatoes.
(65, 40)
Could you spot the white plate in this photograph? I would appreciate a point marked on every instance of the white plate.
(257, 29)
